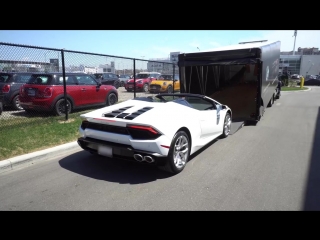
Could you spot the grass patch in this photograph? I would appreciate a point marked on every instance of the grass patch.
(293, 88)
(37, 133)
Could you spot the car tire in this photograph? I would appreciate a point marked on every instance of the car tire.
(1, 108)
(116, 85)
(169, 89)
(59, 107)
(111, 99)
(16, 103)
(178, 155)
(226, 126)
(145, 87)
(122, 84)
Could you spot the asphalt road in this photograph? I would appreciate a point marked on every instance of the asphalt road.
(273, 166)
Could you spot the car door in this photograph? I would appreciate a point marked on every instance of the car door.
(209, 117)
(89, 91)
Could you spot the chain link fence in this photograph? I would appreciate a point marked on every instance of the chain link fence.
(46, 82)
(43, 88)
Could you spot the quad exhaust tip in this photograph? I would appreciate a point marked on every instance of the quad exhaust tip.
(140, 158)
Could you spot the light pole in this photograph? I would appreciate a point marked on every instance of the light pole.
(142, 61)
(309, 67)
(45, 59)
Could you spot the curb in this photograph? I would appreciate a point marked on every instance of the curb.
(31, 158)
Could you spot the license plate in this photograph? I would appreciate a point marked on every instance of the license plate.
(105, 151)
(129, 86)
(31, 92)
(153, 87)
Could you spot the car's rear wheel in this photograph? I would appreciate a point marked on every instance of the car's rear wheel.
(16, 103)
(122, 84)
(116, 84)
(178, 155)
(145, 87)
(111, 99)
(169, 89)
(60, 107)
(226, 126)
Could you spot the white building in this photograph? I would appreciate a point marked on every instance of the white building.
(159, 64)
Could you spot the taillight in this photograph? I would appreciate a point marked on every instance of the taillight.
(6, 88)
(143, 132)
(84, 124)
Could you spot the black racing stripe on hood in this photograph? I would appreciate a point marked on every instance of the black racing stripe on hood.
(119, 113)
(115, 113)
(137, 113)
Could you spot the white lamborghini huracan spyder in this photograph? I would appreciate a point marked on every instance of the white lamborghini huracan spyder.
(163, 130)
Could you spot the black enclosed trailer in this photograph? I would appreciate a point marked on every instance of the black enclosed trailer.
(243, 76)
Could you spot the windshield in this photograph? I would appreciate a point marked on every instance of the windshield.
(165, 77)
(4, 78)
(97, 75)
(123, 76)
(142, 76)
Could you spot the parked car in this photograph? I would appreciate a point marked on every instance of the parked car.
(45, 92)
(164, 130)
(123, 79)
(108, 79)
(295, 76)
(310, 82)
(10, 83)
(143, 79)
(165, 83)
(310, 77)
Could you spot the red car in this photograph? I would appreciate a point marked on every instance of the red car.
(143, 79)
(45, 92)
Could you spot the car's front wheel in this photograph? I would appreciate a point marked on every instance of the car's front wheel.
(60, 107)
(16, 103)
(111, 99)
(169, 89)
(226, 126)
(145, 87)
(178, 155)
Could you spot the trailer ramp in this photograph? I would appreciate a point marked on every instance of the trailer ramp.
(236, 125)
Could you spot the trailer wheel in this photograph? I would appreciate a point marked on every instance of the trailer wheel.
(271, 102)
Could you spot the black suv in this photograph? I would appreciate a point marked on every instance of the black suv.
(108, 79)
(10, 83)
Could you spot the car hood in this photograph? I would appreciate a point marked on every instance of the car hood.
(137, 79)
(160, 82)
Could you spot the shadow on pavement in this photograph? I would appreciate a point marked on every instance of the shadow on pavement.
(112, 170)
(312, 195)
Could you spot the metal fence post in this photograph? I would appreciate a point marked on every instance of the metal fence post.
(134, 77)
(64, 84)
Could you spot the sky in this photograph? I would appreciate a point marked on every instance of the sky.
(153, 44)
